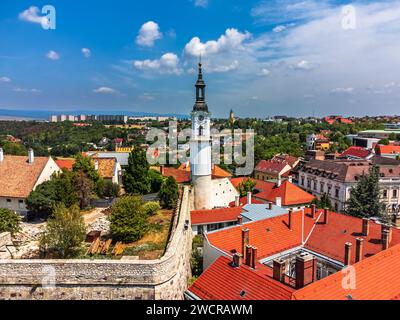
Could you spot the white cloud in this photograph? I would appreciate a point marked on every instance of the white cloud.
(167, 64)
(24, 90)
(32, 14)
(147, 97)
(148, 34)
(201, 3)
(52, 55)
(265, 72)
(278, 29)
(303, 65)
(5, 79)
(348, 90)
(86, 52)
(231, 40)
(105, 90)
(224, 68)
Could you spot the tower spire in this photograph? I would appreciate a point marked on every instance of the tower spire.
(200, 104)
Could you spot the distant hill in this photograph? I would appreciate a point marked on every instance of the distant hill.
(8, 114)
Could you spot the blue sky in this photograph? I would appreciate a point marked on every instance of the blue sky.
(261, 57)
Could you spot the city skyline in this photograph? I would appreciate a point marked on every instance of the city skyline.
(261, 58)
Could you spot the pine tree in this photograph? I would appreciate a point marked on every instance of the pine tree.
(137, 178)
(364, 199)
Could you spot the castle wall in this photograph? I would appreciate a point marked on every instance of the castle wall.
(165, 278)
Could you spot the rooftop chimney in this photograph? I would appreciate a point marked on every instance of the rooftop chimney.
(240, 220)
(254, 257)
(269, 206)
(162, 170)
(279, 182)
(31, 156)
(237, 260)
(290, 179)
(249, 197)
(237, 201)
(347, 253)
(1, 155)
(278, 201)
(96, 165)
(365, 227)
(279, 266)
(359, 249)
(306, 269)
(290, 216)
(388, 229)
(249, 251)
(313, 211)
(326, 216)
(385, 239)
(245, 241)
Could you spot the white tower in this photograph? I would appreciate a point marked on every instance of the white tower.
(200, 148)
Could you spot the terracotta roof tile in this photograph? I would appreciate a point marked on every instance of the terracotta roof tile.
(376, 279)
(106, 166)
(18, 177)
(215, 215)
(223, 282)
(65, 163)
(357, 152)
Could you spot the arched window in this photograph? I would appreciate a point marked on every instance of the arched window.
(201, 130)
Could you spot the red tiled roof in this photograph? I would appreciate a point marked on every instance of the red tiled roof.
(290, 160)
(65, 163)
(18, 177)
(333, 119)
(382, 149)
(221, 281)
(329, 239)
(181, 176)
(243, 201)
(268, 191)
(376, 278)
(216, 172)
(270, 236)
(270, 166)
(215, 215)
(357, 152)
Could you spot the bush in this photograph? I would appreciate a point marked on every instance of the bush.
(128, 219)
(107, 189)
(64, 233)
(151, 208)
(9, 221)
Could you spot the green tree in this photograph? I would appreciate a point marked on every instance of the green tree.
(65, 189)
(169, 193)
(137, 180)
(246, 186)
(364, 198)
(385, 142)
(151, 208)
(41, 201)
(323, 202)
(128, 219)
(86, 165)
(9, 221)
(156, 180)
(83, 188)
(64, 233)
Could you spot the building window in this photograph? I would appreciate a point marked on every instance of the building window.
(322, 186)
(315, 185)
(201, 131)
(394, 193)
(385, 193)
(21, 204)
(302, 181)
(337, 192)
(336, 207)
(308, 183)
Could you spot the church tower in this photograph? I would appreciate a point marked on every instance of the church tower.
(200, 148)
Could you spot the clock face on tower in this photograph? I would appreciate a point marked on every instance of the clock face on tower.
(201, 117)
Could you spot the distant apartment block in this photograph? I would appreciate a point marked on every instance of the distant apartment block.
(89, 118)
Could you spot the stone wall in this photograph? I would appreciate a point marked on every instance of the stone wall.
(165, 278)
